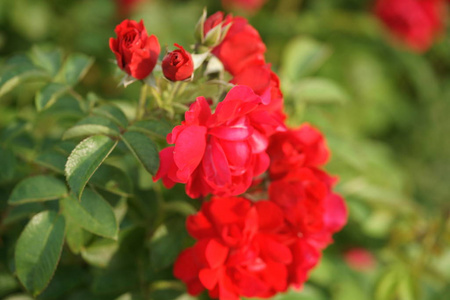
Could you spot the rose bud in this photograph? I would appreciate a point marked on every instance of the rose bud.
(178, 65)
(136, 52)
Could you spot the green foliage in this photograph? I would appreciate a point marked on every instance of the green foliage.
(109, 232)
(38, 250)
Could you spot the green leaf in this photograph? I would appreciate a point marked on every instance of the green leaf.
(157, 128)
(74, 235)
(144, 149)
(24, 211)
(37, 188)
(85, 160)
(53, 160)
(302, 57)
(47, 58)
(100, 252)
(318, 91)
(167, 242)
(15, 74)
(113, 113)
(38, 250)
(48, 95)
(92, 126)
(92, 213)
(76, 67)
(9, 164)
(113, 180)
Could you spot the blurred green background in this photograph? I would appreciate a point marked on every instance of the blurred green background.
(384, 111)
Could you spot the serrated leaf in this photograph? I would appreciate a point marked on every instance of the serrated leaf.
(113, 180)
(49, 59)
(144, 149)
(15, 74)
(113, 113)
(85, 159)
(158, 128)
(91, 126)
(38, 250)
(75, 67)
(92, 213)
(319, 91)
(48, 95)
(303, 56)
(36, 189)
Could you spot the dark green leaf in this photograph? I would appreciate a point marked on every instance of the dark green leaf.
(124, 261)
(144, 149)
(48, 95)
(65, 280)
(167, 242)
(53, 160)
(18, 213)
(38, 250)
(85, 159)
(158, 128)
(92, 213)
(113, 113)
(8, 165)
(76, 67)
(92, 126)
(37, 188)
(113, 180)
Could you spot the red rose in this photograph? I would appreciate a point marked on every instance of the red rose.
(136, 52)
(219, 153)
(238, 252)
(309, 205)
(178, 65)
(265, 83)
(415, 22)
(242, 46)
(296, 148)
(249, 5)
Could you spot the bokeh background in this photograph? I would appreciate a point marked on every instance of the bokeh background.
(383, 108)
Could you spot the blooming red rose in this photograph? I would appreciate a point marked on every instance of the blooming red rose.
(415, 22)
(265, 83)
(136, 52)
(249, 5)
(238, 252)
(178, 65)
(242, 46)
(219, 153)
(296, 148)
(309, 205)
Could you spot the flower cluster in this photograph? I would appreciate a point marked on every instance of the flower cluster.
(415, 22)
(239, 150)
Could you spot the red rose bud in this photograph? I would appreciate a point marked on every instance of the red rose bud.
(136, 52)
(178, 65)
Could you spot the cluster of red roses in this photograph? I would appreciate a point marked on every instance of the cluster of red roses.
(244, 247)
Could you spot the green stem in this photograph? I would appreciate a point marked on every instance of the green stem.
(140, 112)
(158, 99)
(173, 92)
